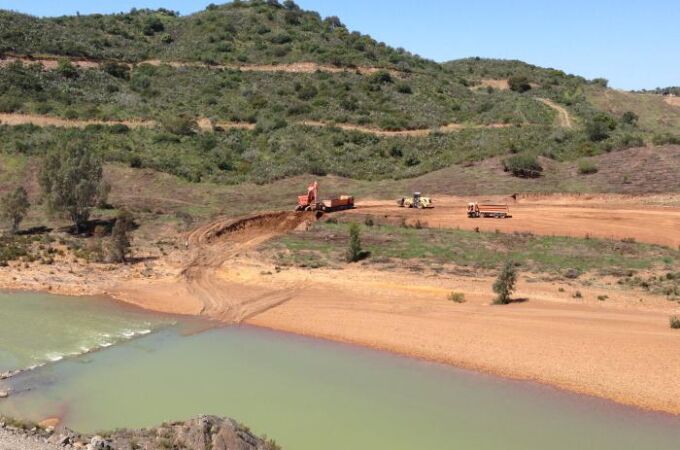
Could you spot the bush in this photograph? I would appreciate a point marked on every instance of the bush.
(523, 166)
(180, 125)
(457, 297)
(630, 118)
(586, 167)
(119, 247)
(519, 83)
(675, 322)
(354, 251)
(504, 285)
(404, 88)
(599, 126)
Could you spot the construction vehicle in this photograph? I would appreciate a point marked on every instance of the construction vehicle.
(418, 201)
(310, 201)
(475, 210)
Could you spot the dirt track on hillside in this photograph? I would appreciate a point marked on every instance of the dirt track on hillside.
(563, 116)
(600, 217)
(206, 125)
(52, 62)
(14, 119)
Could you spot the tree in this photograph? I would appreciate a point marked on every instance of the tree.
(354, 252)
(14, 207)
(120, 244)
(505, 283)
(71, 181)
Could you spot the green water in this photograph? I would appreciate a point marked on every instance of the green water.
(310, 395)
(39, 328)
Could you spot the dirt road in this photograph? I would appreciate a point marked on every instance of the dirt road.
(603, 217)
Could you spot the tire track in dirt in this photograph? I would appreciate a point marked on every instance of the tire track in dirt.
(220, 241)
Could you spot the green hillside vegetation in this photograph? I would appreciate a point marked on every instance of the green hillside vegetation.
(260, 32)
(408, 92)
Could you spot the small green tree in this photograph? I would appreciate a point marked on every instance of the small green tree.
(504, 285)
(14, 207)
(71, 182)
(354, 252)
(120, 244)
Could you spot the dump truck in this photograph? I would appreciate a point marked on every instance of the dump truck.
(418, 201)
(310, 202)
(498, 211)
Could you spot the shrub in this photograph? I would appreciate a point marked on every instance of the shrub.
(578, 294)
(602, 297)
(675, 322)
(381, 77)
(119, 247)
(504, 285)
(457, 297)
(630, 118)
(180, 125)
(404, 88)
(524, 166)
(586, 167)
(602, 82)
(117, 70)
(599, 126)
(354, 251)
(519, 83)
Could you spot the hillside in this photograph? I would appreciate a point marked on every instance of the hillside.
(260, 91)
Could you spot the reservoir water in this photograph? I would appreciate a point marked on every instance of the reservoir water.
(311, 394)
(39, 328)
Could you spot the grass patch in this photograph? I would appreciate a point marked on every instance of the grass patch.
(482, 250)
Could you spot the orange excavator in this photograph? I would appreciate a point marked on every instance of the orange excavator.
(310, 202)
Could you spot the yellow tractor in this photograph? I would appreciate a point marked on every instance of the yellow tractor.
(418, 201)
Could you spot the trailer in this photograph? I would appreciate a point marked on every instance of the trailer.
(497, 211)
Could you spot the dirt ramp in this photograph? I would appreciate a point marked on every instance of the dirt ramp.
(209, 276)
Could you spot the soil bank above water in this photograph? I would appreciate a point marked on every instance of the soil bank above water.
(310, 394)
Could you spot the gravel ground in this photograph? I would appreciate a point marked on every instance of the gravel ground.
(14, 441)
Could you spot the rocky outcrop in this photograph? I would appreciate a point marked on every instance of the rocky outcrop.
(202, 433)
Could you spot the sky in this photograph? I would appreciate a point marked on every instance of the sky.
(632, 43)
